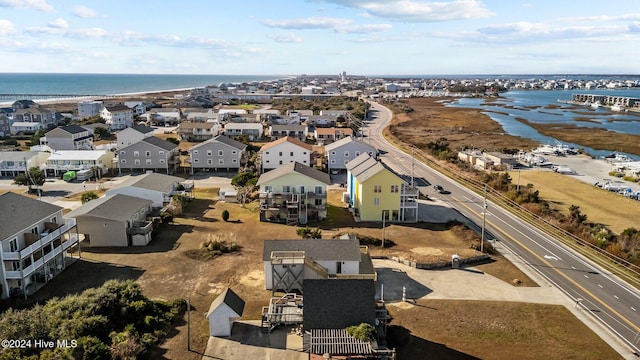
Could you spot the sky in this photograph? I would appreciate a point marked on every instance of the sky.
(293, 37)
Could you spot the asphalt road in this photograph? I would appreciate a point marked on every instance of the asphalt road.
(607, 299)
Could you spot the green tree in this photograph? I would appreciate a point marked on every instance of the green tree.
(102, 133)
(35, 138)
(88, 196)
(245, 184)
(576, 215)
(225, 215)
(32, 178)
(308, 233)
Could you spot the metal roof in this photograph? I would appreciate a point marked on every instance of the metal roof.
(316, 249)
(114, 207)
(294, 167)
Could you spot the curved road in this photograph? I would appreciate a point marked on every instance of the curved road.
(608, 299)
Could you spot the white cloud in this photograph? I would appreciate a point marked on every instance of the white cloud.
(286, 38)
(29, 4)
(58, 23)
(307, 23)
(364, 29)
(6, 27)
(84, 12)
(420, 11)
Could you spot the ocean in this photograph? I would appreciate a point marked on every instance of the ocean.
(533, 106)
(111, 84)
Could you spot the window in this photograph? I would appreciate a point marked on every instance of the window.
(136, 153)
(13, 244)
(333, 153)
(267, 161)
(148, 161)
(220, 152)
(161, 161)
(34, 230)
(268, 188)
(346, 154)
(136, 162)
(304, 153)
(234, 161)
(161, 152)
(280, 162)
(123, 161)
(267, 153)
(234, 152)
(346, 161)
(394, 188)
(286, 188)
(318, 190)
(122, 152)
(280, 153)
(15, 265)
(195, 152)
(357, 153)
(302, 189)
(376, 201)
(54, 220)
(220, 161)
(318, 202)
(196, 160)
(291, 153)
(377, 188)
(209, 161)
(147, 153)
(333, 161)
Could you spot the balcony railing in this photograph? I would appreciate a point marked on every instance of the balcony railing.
(45, 239)
(141, 228)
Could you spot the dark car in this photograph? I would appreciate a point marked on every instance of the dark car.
(440, 189)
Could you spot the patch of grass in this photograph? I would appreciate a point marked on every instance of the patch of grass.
(215, 245)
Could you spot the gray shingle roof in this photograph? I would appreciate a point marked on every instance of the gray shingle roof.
(142, 128)
(18, 212)
(316, 249)
(347, 140)
(230, 298)
(151, 181)
(114, 207)
(338, 303)
(73, 129)
(295, 167)
(229, 141)
(164, 144)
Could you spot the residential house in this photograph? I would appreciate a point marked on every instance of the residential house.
(114, 220)
(323, 120)
(100, 161)
(89, 108)
(376, 192)
(220, 152)
(132, 135)
(293, 193)
(5, 125)
(35, 240)
(254, 131)
(36, 114)
(163, 118)
(117, 117)
(284, 151)
(150, 153)
(18, 127)
(339, 153)
(287, 263)
(159, 188)
(23, 104)
(198, 131)
(224, 310)
(137, 107)
(326, 136)
(71, 137)
(14, 163)
(295, 131)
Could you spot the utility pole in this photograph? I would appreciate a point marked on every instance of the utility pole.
(412, 165)
(383, 223)
(188, 324)
(484, 216)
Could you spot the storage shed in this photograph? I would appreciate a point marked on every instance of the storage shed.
(224, 310)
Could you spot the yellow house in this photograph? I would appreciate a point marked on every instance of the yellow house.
(375, 191)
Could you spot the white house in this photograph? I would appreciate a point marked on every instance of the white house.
(342, 151)
(117, 117)
(34, 243)
(254, 131)
(153, 186)
(62, 161)
(14, 163)
(25, 127)
(89, 108)
(283, 151)
(132, 135)
(70, 137)
(137, 107)
(224, 310)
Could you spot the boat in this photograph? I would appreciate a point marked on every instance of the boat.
(617, 108)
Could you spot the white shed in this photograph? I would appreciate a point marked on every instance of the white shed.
(224, 310)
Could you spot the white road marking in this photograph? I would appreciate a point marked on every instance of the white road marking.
(551, 257)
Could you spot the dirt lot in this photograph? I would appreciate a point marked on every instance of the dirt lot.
(165, 272)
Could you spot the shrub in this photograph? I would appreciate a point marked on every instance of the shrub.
(364, 332)
(308, 233)
(225, 215)
(88, 196)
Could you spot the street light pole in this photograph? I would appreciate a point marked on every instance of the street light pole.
(484, 216)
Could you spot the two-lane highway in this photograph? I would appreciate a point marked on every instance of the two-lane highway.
(605, 297)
